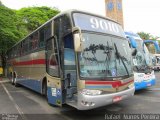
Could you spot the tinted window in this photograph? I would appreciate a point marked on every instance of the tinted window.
(41, 38)
(52, 60)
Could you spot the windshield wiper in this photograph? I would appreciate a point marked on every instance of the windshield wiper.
(93, 49)
(144, 69)
(122, 58)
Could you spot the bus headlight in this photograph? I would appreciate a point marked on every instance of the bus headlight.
(131, 85)
(91, 92)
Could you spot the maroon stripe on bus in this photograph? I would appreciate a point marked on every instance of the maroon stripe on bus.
(31, 62)
(113, 83)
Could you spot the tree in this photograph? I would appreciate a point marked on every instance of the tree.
(33, 17)
(9, 33)
(144, 36)
(154, 37)
(15, 24)
(148, 36)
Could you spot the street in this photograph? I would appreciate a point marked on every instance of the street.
(30, 105)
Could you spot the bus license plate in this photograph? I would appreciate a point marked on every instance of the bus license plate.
(117, 98)
(149, 84)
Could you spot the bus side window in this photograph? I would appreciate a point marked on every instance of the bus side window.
(45, 33)
(25, 46)
(41, 38)
(19, 49)
(52, 61)
(33, 41)
(57, 30)
(61, 27)
(69, 66)
(69, 55)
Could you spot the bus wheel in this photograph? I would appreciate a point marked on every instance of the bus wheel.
(44, 89)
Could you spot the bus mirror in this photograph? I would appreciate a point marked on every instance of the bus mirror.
(77, 42)
(76, 29)
(77, 39)
(132, 41)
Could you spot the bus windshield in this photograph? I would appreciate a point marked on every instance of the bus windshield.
(142, 59)
(104, 56)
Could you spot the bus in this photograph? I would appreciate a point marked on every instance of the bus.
(154, 54)
(156, 64)
(142, 64)
(76, 58)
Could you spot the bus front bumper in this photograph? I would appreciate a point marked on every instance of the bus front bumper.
(86, 102)
(144, 84)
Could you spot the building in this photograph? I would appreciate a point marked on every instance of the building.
(114, 10)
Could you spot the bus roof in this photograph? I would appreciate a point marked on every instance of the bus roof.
(134, 35)
(67, 12)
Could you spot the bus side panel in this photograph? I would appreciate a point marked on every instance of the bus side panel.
(30, 70)
(29, 83)
(54, 90)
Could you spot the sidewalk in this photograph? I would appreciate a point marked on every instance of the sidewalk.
(4, 79)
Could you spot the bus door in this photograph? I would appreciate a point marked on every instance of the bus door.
(70, 76)
(54, 83)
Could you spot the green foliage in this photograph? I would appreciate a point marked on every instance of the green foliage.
(1, 3)
(144, 36)
(33, 17)
(9, 33)
(15, 24)
(148, 36)
(154, 37)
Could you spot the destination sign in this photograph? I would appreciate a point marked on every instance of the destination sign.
(97, 24)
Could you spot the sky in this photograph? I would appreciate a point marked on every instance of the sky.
(139, 15)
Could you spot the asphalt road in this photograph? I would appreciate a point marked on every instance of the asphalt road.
(21, 103)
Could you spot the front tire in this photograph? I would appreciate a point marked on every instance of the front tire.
(44, 90)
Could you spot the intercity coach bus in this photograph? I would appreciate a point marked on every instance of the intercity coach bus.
(76, 58)
(142, 61)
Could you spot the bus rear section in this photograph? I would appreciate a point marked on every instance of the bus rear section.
(142, 64)
(86, 62)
